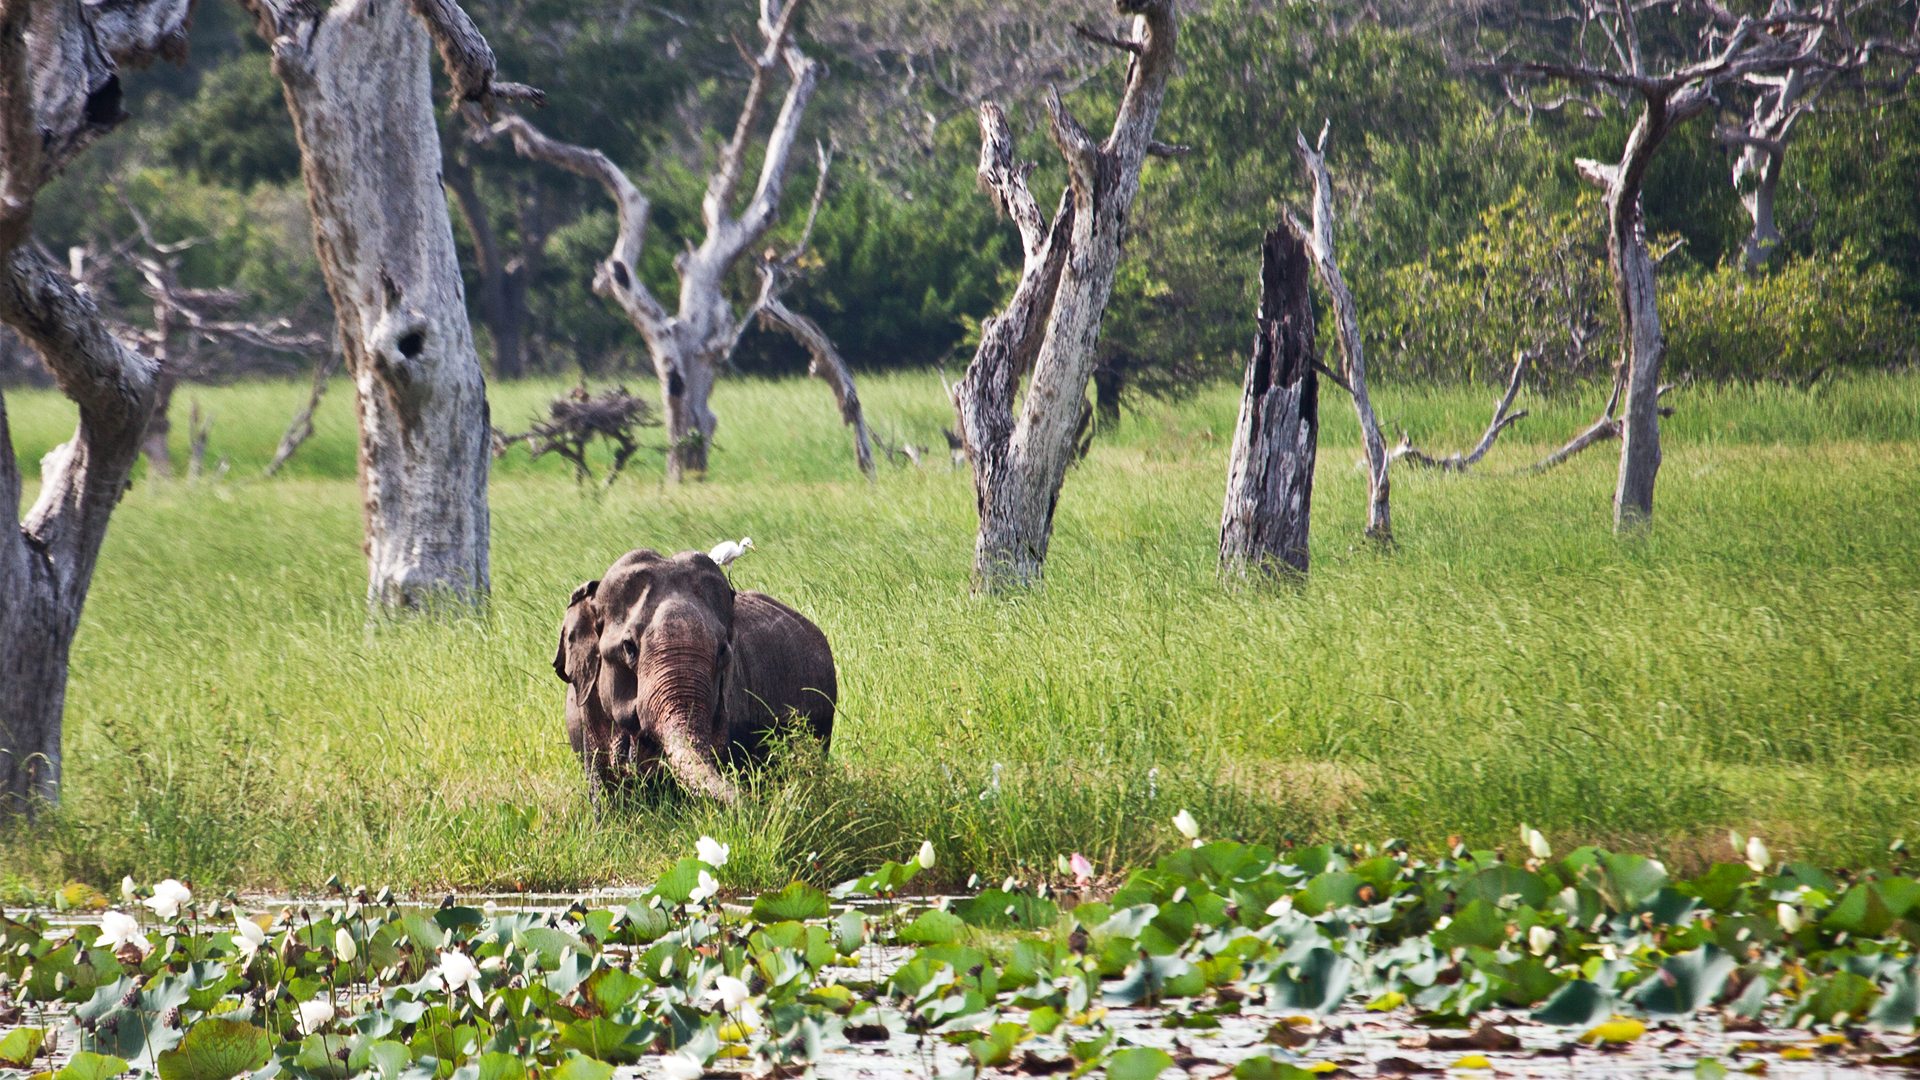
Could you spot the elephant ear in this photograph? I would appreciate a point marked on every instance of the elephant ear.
(577, 634)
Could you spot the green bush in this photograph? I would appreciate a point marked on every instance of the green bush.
(1529, 278)
(1821, 311)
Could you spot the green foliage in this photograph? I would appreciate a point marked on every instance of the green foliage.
(1205, 932)
(1811, 314)
(1528, 278)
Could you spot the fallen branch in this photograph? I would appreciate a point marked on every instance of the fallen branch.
(1502, 419)
(1604, 429)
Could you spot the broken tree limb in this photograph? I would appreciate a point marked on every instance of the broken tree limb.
(1502, 419)
(300, 429)
(1604, 428)
(1319, 243)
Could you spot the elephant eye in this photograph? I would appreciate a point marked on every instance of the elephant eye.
(630, 651)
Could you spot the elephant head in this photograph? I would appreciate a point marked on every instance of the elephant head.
(648, 648)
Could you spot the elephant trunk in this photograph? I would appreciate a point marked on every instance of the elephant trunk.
(680, 697)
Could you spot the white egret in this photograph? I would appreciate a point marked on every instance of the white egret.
(726, 551)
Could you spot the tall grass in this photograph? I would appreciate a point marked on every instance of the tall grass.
(235, 717)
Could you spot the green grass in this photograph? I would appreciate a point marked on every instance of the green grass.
(235, 718)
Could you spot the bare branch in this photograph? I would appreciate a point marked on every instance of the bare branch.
(827, 365)
(1078, 147)
(467, 57)
(19, 134)
(733, 156)
(1502, 419)
(1156, 148)
(1099, 37)
(617, 278)
(1006, 182)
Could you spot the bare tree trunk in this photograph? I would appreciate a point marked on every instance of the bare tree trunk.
(1054, 316)
(1319, 241)
(59, 90)
(1264, 523)
(46, 564)
(1642, 345)
(351, 72)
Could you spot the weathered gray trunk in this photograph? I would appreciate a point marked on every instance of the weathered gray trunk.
(46, 563)
(1319, 242)
(357, 81)
(1020, 463)
(1264, 521)
(59, 90)
(1642, 346)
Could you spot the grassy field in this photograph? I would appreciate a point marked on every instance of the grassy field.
(1754, 663)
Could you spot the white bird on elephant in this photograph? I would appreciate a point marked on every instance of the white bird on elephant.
(727, 550)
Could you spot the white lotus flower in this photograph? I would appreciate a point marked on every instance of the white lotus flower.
(1539, 940)
(117, 928)
(712, 852)
(247, 936)
(730, 992)
(1536, 843)
(168, 898)
(457, 970)
(128, 890)
(1281, 908)
(314, 1015)
(344, 947)
(1789, 917)
(927, 855)
(681, 1067)
(1188, 827)
(704, 890)
(1758, 857)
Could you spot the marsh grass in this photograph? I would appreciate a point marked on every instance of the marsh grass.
(235, 717)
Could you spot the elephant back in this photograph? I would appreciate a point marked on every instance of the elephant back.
(783, 666)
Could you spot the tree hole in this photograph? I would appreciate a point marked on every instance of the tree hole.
(103, 105)
(412, 343)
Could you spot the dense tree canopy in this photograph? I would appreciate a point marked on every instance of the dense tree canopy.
(1460, 210)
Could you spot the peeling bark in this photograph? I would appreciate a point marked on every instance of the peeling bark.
(1264, 521)
(357, 82)
(1052, 323)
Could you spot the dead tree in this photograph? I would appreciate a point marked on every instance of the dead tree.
(59, 90)
(1353, 376)
(196, 314)
(1503, 417)
(1665, 92)
(357, 80)
(1782, 100)
(1269, 503)
(689, 346)
(1052, 323)
(505, 274)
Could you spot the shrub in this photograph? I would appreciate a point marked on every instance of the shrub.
(1830, 310)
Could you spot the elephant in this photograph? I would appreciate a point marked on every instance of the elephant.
(671, 672)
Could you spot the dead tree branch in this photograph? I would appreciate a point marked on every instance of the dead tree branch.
(1502, 419)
